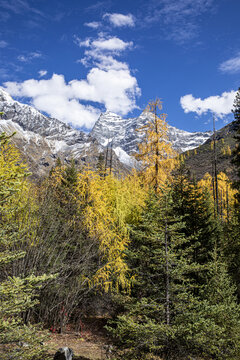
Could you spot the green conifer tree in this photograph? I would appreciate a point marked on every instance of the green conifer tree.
(232, 228)
(210, 328)
(162, 286)
(236, 152)
(70, 175)
(196, 208)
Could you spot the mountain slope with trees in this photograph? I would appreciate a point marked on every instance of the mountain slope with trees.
(200, 160)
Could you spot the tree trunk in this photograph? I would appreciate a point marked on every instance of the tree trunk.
(167, 278)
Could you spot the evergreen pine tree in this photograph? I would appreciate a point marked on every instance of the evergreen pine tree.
(195, 207)
(162, 286)
(236, 152)
(211, 327)
(70, 175)
(236, 105)
(232, 248)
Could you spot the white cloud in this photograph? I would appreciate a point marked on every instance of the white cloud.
(112, 44)
(102, 61)
(232, 65)
(93, 24)
(109, 82)
(42, 73)
(100, 52)
(116, 89)
(104, 43)
(84, 43)
(29, 57)
(221, 105)
(119, 20)
(3, 44)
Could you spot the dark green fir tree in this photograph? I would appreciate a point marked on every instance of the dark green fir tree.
(236, 153)
(162, 285)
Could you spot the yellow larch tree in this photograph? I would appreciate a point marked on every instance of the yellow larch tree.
(155, 152)
(225, 192)
(108, 205)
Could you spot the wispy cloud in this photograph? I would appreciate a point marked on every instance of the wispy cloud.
(180, 17)
(93, 24)
(221, 105)
(4, 16)
(3, 44)
(19, 7)
(9, 70)
(98, 6)
(30, 56)
(231, 65)
(4, 73)
(120, 20)
(42, 73)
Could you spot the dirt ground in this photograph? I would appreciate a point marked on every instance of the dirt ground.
(88, 344)
(83, 349)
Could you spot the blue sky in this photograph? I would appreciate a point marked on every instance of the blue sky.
(74, 59)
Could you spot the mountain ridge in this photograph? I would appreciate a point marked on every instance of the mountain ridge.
(111, 128)
(42, 139)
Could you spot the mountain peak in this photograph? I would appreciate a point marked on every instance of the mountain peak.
(4, 96)
(110, 114)
(122, 133)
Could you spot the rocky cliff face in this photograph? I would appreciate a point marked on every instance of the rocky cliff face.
(42, 139)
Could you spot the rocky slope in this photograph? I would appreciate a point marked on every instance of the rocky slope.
(42, 139)
(200, 160)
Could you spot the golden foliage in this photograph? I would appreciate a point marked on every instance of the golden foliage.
(225, 192)
(107, 205)
(226, 150)
(13, 184)
(155, 152)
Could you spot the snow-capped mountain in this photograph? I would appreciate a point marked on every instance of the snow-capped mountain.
(121, 133)
(42, 139)
(32, 120)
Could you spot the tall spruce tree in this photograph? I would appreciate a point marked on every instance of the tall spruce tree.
(210, 326)
(232, 248)
(236, 153)
(162, 286)
(197, 210)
